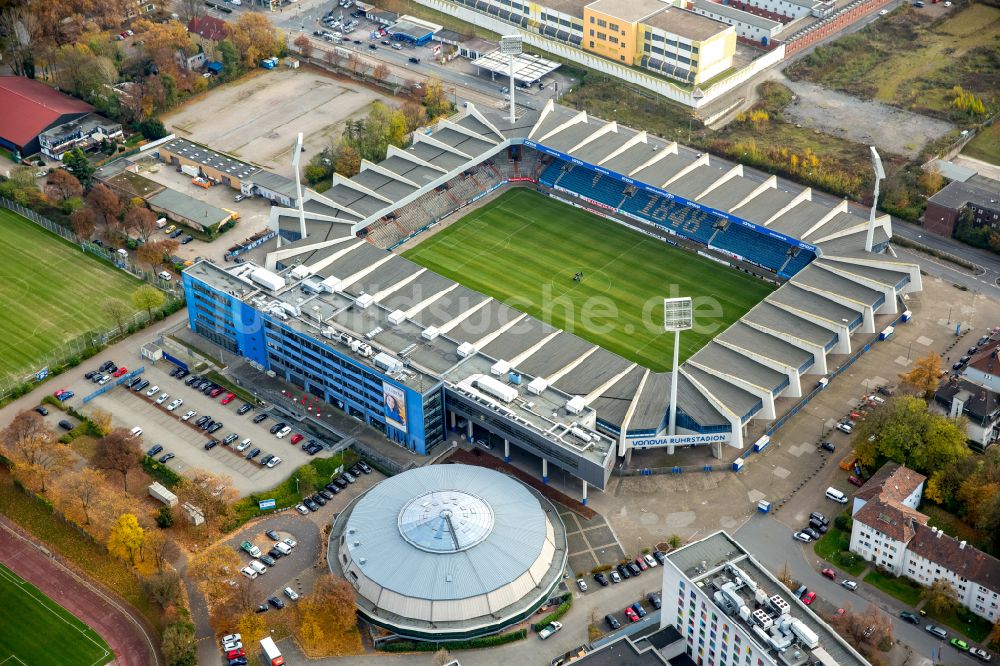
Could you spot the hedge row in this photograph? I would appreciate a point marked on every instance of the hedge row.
(472, 644)
(160, 472)
(554, 615)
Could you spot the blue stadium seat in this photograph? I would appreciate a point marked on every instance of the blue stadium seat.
(797, 263)
(682, 220)
(552, 172)
(753, 246)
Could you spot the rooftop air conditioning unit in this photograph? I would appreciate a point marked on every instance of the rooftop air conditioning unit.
(397, 317)
(575, 406)
(301, 271)
(429, 333)
(363, 301)
(537, 385)
(500, 368)
(466, 349)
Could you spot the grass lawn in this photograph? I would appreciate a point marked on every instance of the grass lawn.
(523, 248)
(986, 145)
(906, 591)
(43, 632)
(833, 547)
(964, 621)
(913, 61)
(50, 293)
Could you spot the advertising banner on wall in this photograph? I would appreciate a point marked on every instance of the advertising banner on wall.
(394, 406)
(677, 440)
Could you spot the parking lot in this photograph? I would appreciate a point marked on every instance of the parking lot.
(187, 442)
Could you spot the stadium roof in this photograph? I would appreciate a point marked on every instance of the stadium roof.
(737, 378)
(28, 107)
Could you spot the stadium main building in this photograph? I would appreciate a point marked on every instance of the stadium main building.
(326, 306)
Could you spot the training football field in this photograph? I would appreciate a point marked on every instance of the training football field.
(524, 249)
(37, 630)
(50, 293)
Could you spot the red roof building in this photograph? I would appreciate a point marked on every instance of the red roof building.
(208, 27)
(28, 108)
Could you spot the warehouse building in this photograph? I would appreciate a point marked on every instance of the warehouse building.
(449, 552)
(195, 213)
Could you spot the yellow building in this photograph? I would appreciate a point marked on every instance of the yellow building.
(658, 36)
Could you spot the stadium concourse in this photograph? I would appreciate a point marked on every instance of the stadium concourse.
(496, 374)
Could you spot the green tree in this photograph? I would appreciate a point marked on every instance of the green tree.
(148, 298)
(941, 596)
(117, 310)
(178, 644)
(152, 129)
(78, 165)
(348, 162)
(231, 64)
(126, 537)
(308, 479)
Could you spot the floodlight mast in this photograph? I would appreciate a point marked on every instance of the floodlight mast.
(879, 177)
(296, 158)
(678, 315)
(511, 46)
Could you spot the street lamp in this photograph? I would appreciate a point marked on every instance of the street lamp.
(678, 315)
(511, 46)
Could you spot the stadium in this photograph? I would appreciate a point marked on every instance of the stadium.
(449, 550)
(384, 298)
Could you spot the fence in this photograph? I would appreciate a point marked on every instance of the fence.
(89, 340)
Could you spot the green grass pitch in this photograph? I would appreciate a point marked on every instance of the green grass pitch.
(38, 631)
(523, 248)
(50, 293)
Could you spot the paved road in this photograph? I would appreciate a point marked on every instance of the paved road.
(771, 543)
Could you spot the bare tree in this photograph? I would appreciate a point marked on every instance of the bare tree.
(118, 451)
(31, 447)
(141, 221)
(21, 27)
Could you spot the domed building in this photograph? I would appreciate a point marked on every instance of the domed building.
(449, 551)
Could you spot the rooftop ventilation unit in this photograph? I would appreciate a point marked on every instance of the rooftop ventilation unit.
(500, 368)
(761, 618)
(397, 317)
(499, 390)
(375, 331)
(301, 271)
(387, 362)
(581, 434)
(466, 349)
(363, 301)
(537, 385)
(780, 605)
(331, 284)
(429, 333)
(576, 405)
(267, 279)
(329, 333)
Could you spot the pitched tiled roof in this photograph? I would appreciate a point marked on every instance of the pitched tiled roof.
(891, 483)
(894, 520)
(27, 107)
(967, 561)
(209, 27)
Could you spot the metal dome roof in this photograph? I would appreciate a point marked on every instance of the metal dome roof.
(448, 532)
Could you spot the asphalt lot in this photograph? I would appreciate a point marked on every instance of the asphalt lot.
(186, 440)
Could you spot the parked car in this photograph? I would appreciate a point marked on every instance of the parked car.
(230, 438)
(276, 602)
(550, 629)
(291, 594)
(980, 654)
(813, 534)
(259, 418)
(849, 584)
(639, 610)
(654, 599)
(660, 557)
(582, 584)
(907, 616)
(959, 644)
(641, 563)
(276, 427)
(65, 425)
(254, 452)
(41, 410)
(808, 598)
(244, 445)
(211, 444)
(273, 462)
(855, 481)
(175, 404)
(268, 560)
(802, 536)
(312, 506)
(296, 438)
(612, 621)
(162, 398)
(266, 459)
(272, 535)
(829, 573)
(120, 372)
(633, 569)
(623, 571)
(281, 433)
(167, 457)
(154, 450)
(244, 408)
(215, 427)
(365, 467)
(601, 579)
(650, 560)
(828, 446)
(936, 631)
(631, 615)
(614, 576)
(228, 399)
(319, 499)
(188, 415)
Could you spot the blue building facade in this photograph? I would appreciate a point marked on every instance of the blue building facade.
(411, 418)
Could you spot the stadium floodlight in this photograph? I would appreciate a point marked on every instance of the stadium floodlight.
(511, 46)
(296, 159)
(678, 315)
(879, 177)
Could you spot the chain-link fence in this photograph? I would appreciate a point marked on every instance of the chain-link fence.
(77, 348)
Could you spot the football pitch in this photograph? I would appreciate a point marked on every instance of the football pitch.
(37, 630)
(50, 293)
(524, 249)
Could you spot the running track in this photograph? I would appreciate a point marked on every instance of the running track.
(132, 642)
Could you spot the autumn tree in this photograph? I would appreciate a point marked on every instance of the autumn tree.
(78, 70)
(348, 162)
(381, 72)
(923, 378)
(102, 421)
(147, 297)
(252, 627)
(189, 9)
(79, 166)
(930, 180)
(941, 597)
(435, 100)
(179, 645)
(414, 116)
(84, 222)
(864, 630)
(79, 491)
(254, 37)
(214, 494)
(105, 203)
(785, 576)
(159, 546)
(19, 24)
(118, 451)
(62, 185)
(116, 310)
(126, 538)
(156, 254)
(141, 221)
(212, 568)
(163, 587)
(160, 41)
(333, 598)
(443, 657)
(304, 45)
(994, 637)
(33, 450)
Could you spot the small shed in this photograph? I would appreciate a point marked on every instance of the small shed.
(214, 66)
(158, 491)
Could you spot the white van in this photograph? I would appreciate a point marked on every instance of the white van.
(164, 275)
(258, 567)
(836, 495)
(123, 253)
(283, 548)
(136, 431)
(160, 223)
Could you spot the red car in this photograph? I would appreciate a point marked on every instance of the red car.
(829, 573)
(215, 392)
(120, 371)
(229, 398)
(59, 392)
(236, 654)
(631, 615)
(296, 438)
(855, 481)
(641, 563)
(808, 598)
